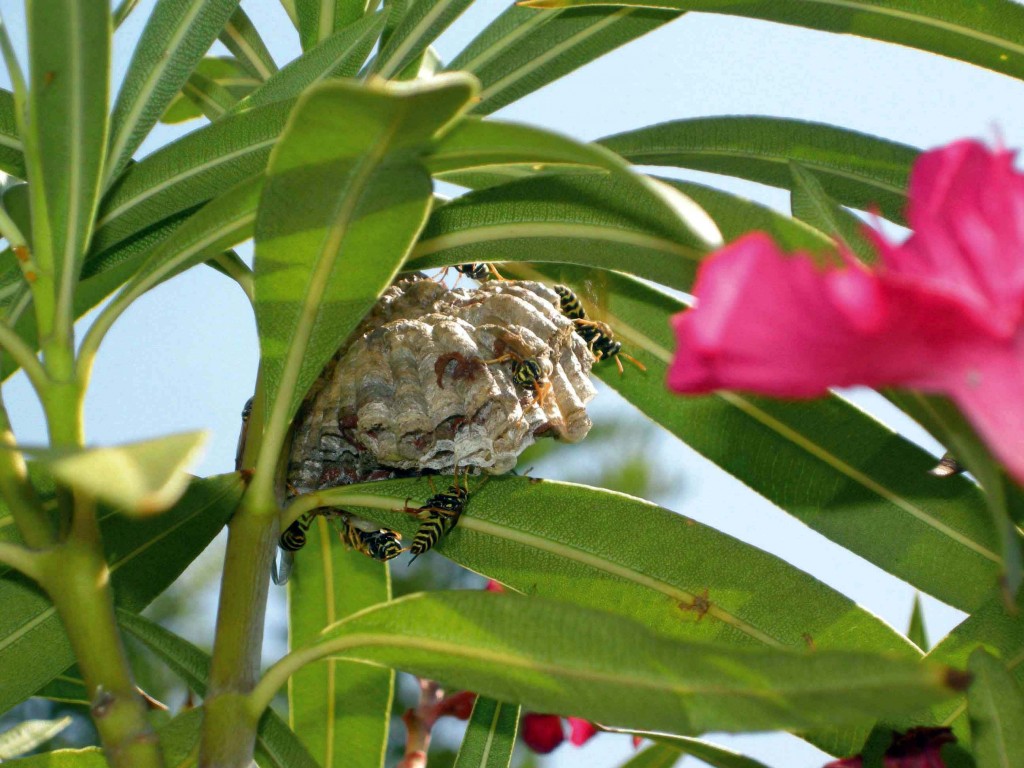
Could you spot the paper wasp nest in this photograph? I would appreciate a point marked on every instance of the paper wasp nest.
(411, 391)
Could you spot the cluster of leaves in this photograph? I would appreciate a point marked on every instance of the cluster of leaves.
(635, 617)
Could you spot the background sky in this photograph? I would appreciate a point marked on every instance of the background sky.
(184, 357)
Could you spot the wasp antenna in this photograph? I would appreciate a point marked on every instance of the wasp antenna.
(411, 560)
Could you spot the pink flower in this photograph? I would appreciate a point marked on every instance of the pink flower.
(943, 313)
(917, 748)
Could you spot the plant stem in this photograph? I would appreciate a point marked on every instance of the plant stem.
(20, 558)
(337, 497)
(33, 524)
(22, 354)
(77, 579)
(229, 727)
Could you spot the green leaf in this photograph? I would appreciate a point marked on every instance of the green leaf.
(595, 220)
(995, 703)
(559, 657)
(478, 143)
(857, 476)
(671, 573)
(69, 47)
(490, 736)
(420, 26)
(655, 756)
(989, 34)
(319, 19)
(204, 163)
(340, 55)
(145, 556)
(916, 633)
(810, 203)
(346, 195)
(338, 709)
(185, 174)
(242, 38)
(215, 86)
(12, 159)
(523, 50)
(90, 757)
(29, 734)
(142, 478)
(855, 169)
(276, 745)
(217, 226)
(173, 41)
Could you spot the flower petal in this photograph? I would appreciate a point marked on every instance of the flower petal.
(967, 212)
(581, 731)
(781, 326)
(989, 389)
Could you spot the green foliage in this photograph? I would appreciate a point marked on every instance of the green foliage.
(629, 614)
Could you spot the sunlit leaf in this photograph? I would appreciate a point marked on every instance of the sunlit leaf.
(141, 478)
(28, 735)
(345, 198)
(242, 38)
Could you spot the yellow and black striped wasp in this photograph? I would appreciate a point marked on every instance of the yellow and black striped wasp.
(381, 544)
(438, 515)
(527, 371)
(599, 336)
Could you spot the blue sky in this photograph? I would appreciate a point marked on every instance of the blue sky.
(185, 356)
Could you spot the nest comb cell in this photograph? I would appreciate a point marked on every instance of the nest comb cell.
(411, 391)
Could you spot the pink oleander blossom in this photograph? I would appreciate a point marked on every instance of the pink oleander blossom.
(917, 748)
(943, 312)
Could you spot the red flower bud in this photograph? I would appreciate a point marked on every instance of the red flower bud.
(542, 733)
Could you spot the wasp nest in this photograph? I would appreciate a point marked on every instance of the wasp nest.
(435, 376)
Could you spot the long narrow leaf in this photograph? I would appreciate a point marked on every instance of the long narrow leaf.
(672, 573)
(215, 87)
(420, 27)
(490, 736)
(319, 19)
(655, 756)
(340, 55)
(856, 169)
(346, 195)
(989, 34)
(69, 50)
(591, 220)
(558, 657)
(175, 38)
(812, 204)
(338, 709)
(242, 38)
(276, 745)
(523, 50)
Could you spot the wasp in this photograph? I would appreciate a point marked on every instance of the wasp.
(527, 372)
(479, 271)
(438, 515)
(382, 544)
(599, 336)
